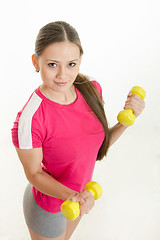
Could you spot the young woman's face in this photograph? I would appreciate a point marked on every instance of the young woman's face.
(59, 65)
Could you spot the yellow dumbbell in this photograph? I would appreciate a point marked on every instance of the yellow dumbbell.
(126, 117)
(71, 210)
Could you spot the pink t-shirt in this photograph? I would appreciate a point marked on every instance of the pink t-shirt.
(70, 136)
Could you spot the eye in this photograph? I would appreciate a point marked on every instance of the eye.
(52, 64)
(72, 64)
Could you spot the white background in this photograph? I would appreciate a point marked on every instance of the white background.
(121, 41)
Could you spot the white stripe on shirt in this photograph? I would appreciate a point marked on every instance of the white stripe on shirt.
(25, 122)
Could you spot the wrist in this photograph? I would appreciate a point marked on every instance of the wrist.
(69, 195)
(123, 127)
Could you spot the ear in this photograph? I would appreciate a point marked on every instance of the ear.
(35, 62)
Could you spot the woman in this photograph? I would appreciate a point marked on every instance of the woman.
(60, 133)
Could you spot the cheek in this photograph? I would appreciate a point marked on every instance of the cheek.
(75, 72)
(46, 74)
(73, 76)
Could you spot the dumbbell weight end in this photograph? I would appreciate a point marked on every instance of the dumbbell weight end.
(71, 210)
(127, 117)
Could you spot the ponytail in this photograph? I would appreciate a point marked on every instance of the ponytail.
(93, 99)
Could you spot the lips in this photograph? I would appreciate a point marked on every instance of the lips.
(61, 83)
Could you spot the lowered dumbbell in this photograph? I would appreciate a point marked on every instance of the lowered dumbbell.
(71, 210)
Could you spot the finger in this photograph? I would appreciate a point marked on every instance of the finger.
(82, 201)
(129, 94)
(134, 98)
(87, 194)
(79, 199)
(75, 198)
(134, 102)
(137, 109)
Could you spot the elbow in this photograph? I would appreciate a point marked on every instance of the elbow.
(31, 176)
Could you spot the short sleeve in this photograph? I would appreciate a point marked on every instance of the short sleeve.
(26, 131)
(99, 89)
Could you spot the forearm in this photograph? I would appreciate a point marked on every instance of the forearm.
(115, 132)
(50, 186)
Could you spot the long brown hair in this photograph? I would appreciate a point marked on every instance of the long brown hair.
(61, 31)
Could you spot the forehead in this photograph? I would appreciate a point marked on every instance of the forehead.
(61, 51)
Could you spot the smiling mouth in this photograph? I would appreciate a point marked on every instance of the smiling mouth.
(61, 83)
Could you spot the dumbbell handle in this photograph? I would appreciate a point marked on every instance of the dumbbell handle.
(126, 117)
(71, 210)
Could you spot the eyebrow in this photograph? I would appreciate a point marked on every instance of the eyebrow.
(59, 62)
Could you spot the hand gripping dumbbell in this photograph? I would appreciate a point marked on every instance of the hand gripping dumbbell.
(126, 117)
(71, 210)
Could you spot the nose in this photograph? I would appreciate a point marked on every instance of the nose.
(60, 73)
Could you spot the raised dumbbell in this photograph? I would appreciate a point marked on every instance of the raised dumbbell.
(71, 210)
(127, 117)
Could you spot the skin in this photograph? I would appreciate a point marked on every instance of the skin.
(59, 63)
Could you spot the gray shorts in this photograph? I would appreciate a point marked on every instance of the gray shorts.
(45, 224)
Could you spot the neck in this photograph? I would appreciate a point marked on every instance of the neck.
(59, 97)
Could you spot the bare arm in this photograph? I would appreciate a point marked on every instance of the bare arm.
(31, 161)
(115, 132)
(134, 102)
